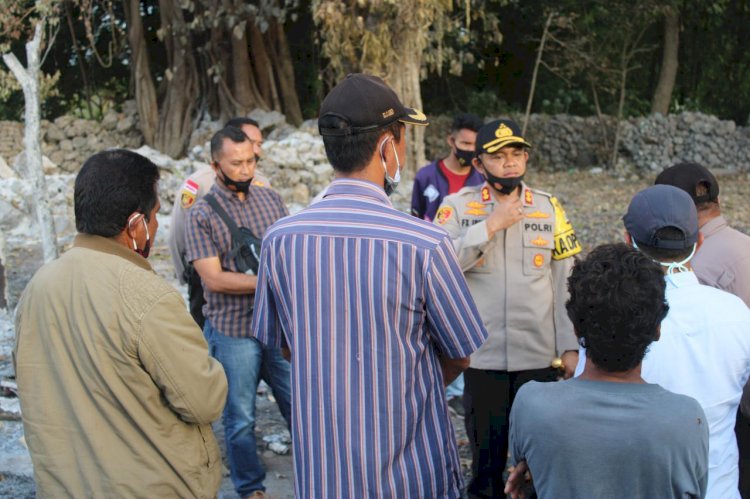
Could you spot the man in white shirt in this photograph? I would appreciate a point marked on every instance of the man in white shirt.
(722, 262)
(704, 348)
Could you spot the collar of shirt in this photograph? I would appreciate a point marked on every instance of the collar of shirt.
(356, 187)
(109, 245)
(681, 279)
(713, 226)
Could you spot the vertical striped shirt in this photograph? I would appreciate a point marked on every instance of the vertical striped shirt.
(365, 297)
(208, 236)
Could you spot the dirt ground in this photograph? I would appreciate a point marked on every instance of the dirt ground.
(594, 201)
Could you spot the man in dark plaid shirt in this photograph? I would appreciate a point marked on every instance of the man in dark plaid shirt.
(229, 297)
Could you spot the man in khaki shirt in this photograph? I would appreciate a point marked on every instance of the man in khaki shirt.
(116, 386)
(515, 245)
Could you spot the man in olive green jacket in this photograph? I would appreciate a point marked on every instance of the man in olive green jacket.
(116, 386)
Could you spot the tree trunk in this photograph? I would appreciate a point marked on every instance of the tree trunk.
(32, 138)
(599, 115)
(261, 64)
(550, 16)
(145, 92)
(620, 109)
(669, 62)
(285, 74)
(178, 108)
(219, 104)
(405, 81)
(243, 84)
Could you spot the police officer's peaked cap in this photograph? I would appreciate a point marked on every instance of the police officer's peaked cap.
(498, 134)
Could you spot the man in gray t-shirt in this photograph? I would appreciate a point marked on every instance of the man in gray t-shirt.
(608, 433)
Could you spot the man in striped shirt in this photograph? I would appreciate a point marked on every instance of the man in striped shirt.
(229, 297)
(376, 314)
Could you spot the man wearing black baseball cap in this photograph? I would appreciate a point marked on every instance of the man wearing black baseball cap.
(722, 262)
(704, 348)
(724, 259)
(515, 245)
(377, 315)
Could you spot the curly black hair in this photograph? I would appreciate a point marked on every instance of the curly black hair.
(616, 305)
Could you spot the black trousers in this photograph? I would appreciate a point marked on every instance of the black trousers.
(195, 296)
(742, 431)
(488, 397)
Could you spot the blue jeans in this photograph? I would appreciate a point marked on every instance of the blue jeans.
(455, 389)
(245, 360)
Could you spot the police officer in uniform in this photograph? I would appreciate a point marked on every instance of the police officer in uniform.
(515, 245)
(194, 188)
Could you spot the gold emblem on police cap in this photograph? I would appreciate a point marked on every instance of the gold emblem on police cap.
(418, 115)
(503, 131)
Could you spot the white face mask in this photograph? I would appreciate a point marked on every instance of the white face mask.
(147, 247)
(391, 183)
(673, 267)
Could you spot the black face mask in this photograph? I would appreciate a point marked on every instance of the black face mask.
(238, 186)
(503, 185)
(464, 157)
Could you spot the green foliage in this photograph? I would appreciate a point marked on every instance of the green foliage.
(478, 54)
(89, 107)
(487, 103)
(567, 100)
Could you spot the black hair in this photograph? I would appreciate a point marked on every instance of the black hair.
(351, 153)
(616, 305)
(228, 132)
(240, 120)
(466, 121)
(110, 187)
(666, 255)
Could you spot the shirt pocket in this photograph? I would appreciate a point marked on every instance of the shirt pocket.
(485, 260)
(538, 244)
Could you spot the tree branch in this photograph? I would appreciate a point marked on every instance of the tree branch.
(16, 68)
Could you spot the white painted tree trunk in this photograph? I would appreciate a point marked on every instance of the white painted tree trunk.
(32, 138)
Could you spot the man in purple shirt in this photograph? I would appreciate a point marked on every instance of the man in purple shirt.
(448, 175)
(374, 309)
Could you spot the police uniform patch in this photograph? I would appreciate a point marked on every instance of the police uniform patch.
(566, 243)
(187, 199)
(443, 215)
(189, 193)
(537, 214)
(485, 194)
(528, 197)
(476, 209)
(539, 241)
(538, 260)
